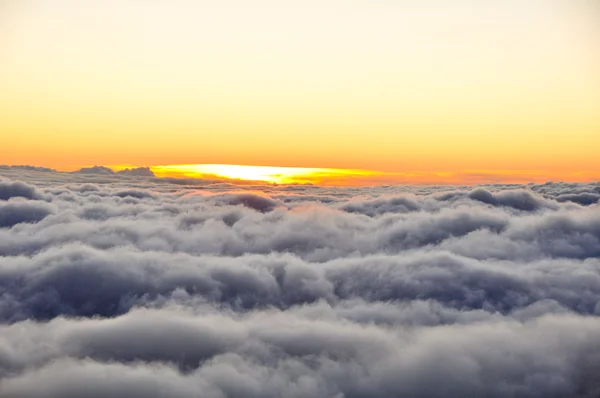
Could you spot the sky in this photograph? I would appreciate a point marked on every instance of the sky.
(496, 87)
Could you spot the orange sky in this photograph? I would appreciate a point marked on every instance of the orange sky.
(508, 87)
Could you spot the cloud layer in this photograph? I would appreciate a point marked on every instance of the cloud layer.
(130, 285)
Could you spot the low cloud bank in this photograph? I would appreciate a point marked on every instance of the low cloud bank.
(122, 285)
(102, 170)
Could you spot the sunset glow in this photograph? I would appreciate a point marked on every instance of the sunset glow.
(428, 89)
(273, 175)
(344, 177)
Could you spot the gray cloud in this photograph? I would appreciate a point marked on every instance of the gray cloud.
(128, 285)
(16, 189)
(273, 354)
(95, 170)
(137, 172)
(16, 212)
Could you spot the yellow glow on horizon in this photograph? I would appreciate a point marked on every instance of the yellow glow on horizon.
(268, 174)
(355, 177)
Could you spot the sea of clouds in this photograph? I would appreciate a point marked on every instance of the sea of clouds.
(125, 285)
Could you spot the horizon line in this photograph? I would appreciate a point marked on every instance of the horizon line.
(287, 175)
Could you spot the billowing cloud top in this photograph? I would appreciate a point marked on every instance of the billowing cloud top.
(122, 285)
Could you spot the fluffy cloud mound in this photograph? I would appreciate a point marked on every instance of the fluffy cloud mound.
(95, 170)
(16, 212)
(137, 172)
(18, 189)
(123, 285)
(102, 170)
